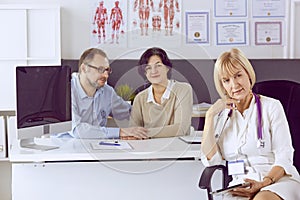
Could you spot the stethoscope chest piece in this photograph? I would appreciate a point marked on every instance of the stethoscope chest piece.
(260, 143)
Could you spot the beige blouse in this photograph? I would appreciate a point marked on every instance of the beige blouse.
(171, 118)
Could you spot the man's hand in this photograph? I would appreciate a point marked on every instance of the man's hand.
(137, 133)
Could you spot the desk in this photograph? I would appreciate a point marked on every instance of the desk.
(164, 168)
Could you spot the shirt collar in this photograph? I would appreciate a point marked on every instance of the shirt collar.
(166, 94)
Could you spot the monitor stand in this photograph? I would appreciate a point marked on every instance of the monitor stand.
(29, 143)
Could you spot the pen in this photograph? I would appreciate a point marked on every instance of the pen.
(109, 143)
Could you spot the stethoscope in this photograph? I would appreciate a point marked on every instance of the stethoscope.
(260, 141)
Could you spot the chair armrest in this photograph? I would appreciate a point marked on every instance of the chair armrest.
(206, 176)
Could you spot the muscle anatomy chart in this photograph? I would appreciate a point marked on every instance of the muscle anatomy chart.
(128, 22)
(108, 25)
(154, 21)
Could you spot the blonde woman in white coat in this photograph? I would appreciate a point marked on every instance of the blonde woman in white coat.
(251, 133)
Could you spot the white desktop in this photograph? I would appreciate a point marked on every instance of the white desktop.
(164, 168)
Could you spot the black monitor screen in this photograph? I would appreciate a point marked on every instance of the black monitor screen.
(43, 95)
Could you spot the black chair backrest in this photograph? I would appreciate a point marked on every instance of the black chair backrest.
(288, 93)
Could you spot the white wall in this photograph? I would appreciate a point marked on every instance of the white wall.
(75, 33)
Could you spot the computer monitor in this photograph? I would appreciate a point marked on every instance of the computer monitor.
(43, 103)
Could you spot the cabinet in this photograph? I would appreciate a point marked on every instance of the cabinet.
(2, 138)
(5, 165)
(30, 35)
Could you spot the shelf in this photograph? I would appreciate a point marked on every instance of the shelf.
(4, 159)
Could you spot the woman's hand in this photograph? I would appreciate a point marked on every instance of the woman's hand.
(251, 191)
(134, 133)
(220, 105)
(216, 108)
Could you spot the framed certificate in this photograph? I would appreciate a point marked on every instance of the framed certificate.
(230, 8)
(231, 33)
(268, 8)
(268, 33)
(197, 30)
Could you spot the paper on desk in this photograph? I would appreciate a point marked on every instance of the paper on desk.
(123, 145)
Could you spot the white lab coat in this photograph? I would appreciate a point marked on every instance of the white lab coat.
(238, 141)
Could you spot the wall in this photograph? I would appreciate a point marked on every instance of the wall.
(75, 37)
(75, 33)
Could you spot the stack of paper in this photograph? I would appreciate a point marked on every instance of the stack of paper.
(201, 106)
(200, 109)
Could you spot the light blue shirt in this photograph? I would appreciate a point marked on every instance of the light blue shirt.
(89, 114)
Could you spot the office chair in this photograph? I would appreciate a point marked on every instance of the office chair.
(288, 93)
(206, 176)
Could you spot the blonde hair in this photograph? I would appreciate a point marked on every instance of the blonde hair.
(227, 63)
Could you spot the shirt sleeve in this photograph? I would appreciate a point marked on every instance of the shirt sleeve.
(183, 110)
(85, 130)
(215, 160)
(120, 108)
(136, 117)
(281, 138)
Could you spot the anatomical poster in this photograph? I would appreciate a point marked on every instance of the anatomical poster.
(154, 22)
(108, 23)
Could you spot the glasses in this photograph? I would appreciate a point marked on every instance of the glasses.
(100, 69)
(148, 68)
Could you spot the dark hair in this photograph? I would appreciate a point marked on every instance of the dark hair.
(154, 51)
(88, 55)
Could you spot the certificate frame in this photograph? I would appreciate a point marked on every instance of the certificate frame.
(226, 36)
(268, 8)
(197, 27)
(268, 33)
(232, 8)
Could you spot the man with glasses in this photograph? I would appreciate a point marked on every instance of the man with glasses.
(93, 101)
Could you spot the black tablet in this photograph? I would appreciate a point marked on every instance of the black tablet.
(224, 190)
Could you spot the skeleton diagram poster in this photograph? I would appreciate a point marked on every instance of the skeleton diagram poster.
(109, 23)
(154, 22)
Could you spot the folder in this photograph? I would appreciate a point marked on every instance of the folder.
(191, 139)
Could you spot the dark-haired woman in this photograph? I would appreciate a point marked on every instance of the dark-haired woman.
(165, 107)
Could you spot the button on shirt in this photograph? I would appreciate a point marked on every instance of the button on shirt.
(89, 114)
